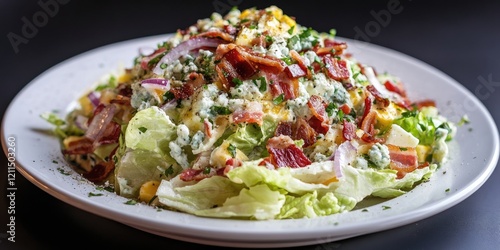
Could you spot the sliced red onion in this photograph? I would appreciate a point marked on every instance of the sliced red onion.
(99, 123)
(156, 81)
(183, 48)
(94, 99)
(169, 105)
(345, 154)
(81, 122)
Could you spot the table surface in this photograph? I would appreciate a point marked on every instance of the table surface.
(460, 39)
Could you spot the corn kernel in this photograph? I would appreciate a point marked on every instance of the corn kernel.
(124, 77)
(148, 190)
(422, 152)
(245, 14)
(87, 106)
(288, 20)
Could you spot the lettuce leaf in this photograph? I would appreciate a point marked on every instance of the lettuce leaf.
(151, 129)
(251, 137)
(255, 192)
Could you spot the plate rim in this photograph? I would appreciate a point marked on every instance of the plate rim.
(100, 210)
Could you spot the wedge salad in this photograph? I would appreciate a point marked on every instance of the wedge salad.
(252, 116)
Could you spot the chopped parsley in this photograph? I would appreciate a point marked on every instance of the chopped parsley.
(279, 99)
(219, 110)
(130, 202)
(237, 82)
(232, 150)
(94, 194)
(143, 129)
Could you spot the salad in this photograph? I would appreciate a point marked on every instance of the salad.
(253, 116)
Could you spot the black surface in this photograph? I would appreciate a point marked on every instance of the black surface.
(460, 39)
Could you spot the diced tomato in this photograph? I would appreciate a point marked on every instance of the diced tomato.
(398, 89)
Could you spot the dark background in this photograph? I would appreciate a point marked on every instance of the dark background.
(462, 39)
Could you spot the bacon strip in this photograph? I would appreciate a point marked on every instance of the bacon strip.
(336, 69)
(294, 71)
(319, 121)
(378, 96)
(303, 131)
(403, 160)
(300, 61)
(284, 153)
(100, 171)
(187, 89)
(218, 34)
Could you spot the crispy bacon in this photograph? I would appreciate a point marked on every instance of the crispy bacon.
(187, 89)
(83, 145)
(214, 33)
(303, 131)
(283, 128)
(284, 153)
(319, 126)
(191, 174)
(300, 61)
(100, 171)
(368, 107)
(240, 63)
(319, 121)
(331, 47)
(403, 160)
(281, 84)
(317, 107)
(294, 71)
(336, 69)
(378, 97)
(111, 134)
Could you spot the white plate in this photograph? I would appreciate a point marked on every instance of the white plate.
(474, 155)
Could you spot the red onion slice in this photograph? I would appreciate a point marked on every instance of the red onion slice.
(345, 154)
(99, 123)
(94, 99)
(183, 48)
(155, 81)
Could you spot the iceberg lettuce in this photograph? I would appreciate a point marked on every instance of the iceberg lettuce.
(256, 192)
